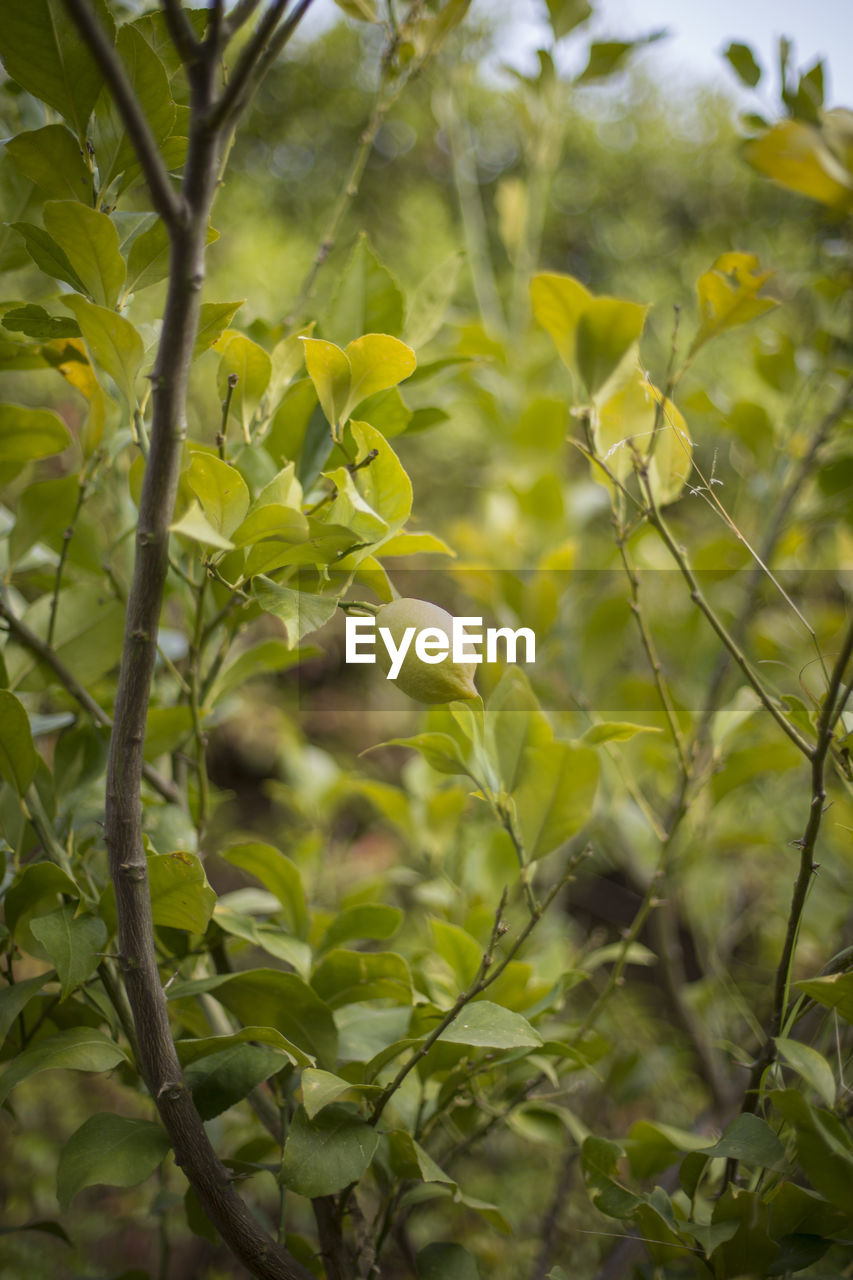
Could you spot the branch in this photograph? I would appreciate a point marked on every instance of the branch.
(661, 685)
(483, 978)
(832, 706)
(240, 14)
(158, 1062)
(81, 696)
(230, 101)
(790, 493)
(180, 29)
(169, 205)
(656, 520)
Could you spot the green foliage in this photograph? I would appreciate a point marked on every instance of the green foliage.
(417, 961)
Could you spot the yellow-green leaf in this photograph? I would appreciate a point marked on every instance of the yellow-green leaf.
(329, 369)
(558, 301)
(90, 242)
(377, 362)
(728, 295)
(795, 155)
(220, 489)
(195, 525)
(113, 344)
(608, 330)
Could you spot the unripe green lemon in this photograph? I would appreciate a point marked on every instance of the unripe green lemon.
(442, 681)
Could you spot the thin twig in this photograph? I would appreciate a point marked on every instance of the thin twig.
(698, 598)
(486, 974)
(651, 653)
(67, 535)
(832, 706)
(194, 680)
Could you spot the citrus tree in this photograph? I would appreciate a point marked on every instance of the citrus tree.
(186, 500)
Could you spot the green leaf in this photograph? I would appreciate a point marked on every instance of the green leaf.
(109, 1149)
(373, 920)
(48, 256)
(252, 367)
(181, 897)
(324, 1155)
(148, 258)
(794, 154)
(750, 1139)
(77, 1049)
(811, 1065)
(269, 997)
(43, 51)
(300, 611)
(52, 158)
(329, 370)
(383, 482)
(220, 489)
(415, 544)
(277, 873)
(320, 1088)
(728, 295)
(351, 510)
(113, 344)
(606, 57)
(195, 525)
(653, 1146)
(214, 319)
(364, 10)
(260, 659)
(18, 757)
(462, 952)
(615, 731)
(72, 942)
(271, 522)
(438, 1261)
(114, 152)
(388, 412)
(514, 722)
(90, 242)
(367, 298)
(439, 750)
(191, 1050)
(351, 977)
(377, 361)
(489, 1026)
(287, 359)
(27, 434)
(608, 330)
(565, 15)
(409, 1160)
(743, 63)
(834, 992)
(15, 998)
(165, 729)
(558, 301)
(600, 1161)
(219, 1080)
(429, 301)
(34, 884)
(35, 322)
(555, 795)
(87, 637)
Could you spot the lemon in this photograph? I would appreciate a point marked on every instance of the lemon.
(443, 681)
